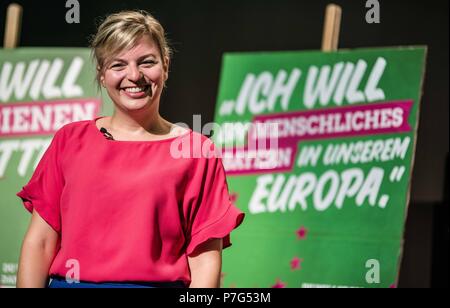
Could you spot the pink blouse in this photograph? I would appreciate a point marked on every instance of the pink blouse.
(129, 210)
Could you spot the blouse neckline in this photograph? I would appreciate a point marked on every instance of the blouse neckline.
(92, 123)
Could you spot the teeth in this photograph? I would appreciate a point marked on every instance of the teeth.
(134, 90)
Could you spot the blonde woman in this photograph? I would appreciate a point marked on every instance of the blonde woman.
(111, 205)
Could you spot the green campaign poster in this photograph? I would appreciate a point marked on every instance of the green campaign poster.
(41, 89)
(318, 149)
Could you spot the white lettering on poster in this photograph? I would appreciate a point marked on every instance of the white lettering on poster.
(324, 85)
(281, 193)
(40, 78)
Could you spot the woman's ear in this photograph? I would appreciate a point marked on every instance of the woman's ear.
(102, 78)
(166, 68)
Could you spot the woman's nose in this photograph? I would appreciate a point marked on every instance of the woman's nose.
(134, 74)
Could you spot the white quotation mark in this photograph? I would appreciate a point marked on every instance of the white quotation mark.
(373, 274)
(373, 15)
(226, 108)
(395, 176)
(397, 173)
(73, 274)
(73, 15)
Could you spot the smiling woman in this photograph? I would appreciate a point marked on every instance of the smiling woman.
(109, 195)
(135, 78)
(133, 58)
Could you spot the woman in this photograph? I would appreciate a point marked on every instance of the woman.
(112, 205)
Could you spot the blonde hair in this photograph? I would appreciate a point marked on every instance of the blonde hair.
(121, 31)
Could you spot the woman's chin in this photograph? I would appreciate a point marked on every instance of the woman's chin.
(136, 104)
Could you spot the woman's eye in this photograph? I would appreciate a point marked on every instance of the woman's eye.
(149, 62)
(117, 65)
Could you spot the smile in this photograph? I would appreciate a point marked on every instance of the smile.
(135, 89)
(137, 92)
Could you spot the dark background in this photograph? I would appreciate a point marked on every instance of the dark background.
(201, 31)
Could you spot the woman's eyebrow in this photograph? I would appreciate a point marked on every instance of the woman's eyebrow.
(139, 59)
(146, 56)
(117, 60)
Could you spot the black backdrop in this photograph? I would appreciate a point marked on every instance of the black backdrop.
(201, 31)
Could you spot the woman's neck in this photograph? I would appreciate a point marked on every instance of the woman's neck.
(139, 124)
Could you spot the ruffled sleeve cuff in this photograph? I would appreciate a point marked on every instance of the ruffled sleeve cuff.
(43, 210)
(221, 228)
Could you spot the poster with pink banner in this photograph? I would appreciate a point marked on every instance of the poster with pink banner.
(41, 89)
(319, 150)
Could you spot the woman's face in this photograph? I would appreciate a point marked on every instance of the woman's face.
(135, 78)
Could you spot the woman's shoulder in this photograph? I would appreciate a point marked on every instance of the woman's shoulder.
(75, 127)
(76, 124)
(199, 147)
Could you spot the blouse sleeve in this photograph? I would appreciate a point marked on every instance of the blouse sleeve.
(43, 191)
(210, 213)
